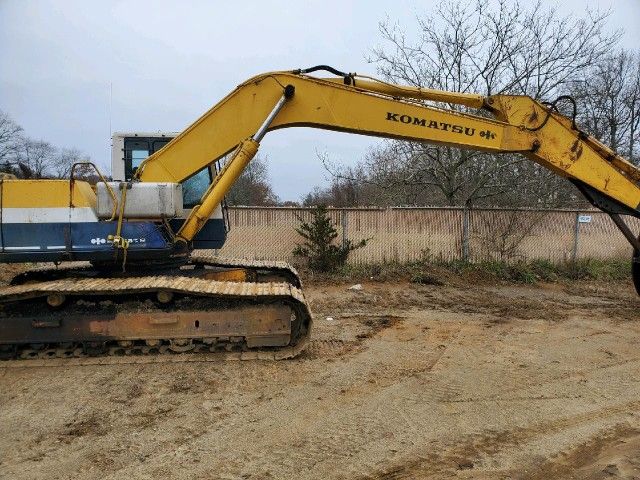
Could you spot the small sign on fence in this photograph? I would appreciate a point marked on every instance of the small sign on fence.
(584, 219)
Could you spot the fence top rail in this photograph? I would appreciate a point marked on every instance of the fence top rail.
(426, 208)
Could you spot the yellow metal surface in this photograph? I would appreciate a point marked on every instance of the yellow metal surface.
(368, 84)
(377, 108)
(322, 104)
(235, 275)
(218, 189)
(563, 151)
(46, 194)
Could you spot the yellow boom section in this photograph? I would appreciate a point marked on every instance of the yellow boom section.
(381, 109)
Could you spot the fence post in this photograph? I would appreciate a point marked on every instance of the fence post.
(345, 226)
(576, 237)
(465, 234)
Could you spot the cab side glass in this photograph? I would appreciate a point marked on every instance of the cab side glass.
(137, 156)
(194, 187)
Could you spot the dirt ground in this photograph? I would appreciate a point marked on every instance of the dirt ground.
(400, 381)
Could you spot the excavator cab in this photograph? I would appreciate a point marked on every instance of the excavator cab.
(130, 149)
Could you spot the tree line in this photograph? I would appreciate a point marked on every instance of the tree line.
(490, 48)
(26, 157)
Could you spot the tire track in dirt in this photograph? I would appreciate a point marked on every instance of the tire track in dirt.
(347, 430)
(334, 347)
(513, 329)
(440, 394)
(568, 463)
(465, 452)
(490, 443)
(354, 427)
(328, 348)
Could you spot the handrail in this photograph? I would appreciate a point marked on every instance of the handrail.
(103, 179)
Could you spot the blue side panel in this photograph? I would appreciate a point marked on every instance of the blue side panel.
(79, 236)
(212, 235)
(48, 242)
(79, 241)
(93, 236)
(33, 236)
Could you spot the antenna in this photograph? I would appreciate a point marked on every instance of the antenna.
(110, 127)
(110, 107)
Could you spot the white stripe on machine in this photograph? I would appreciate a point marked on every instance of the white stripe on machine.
(49, 215)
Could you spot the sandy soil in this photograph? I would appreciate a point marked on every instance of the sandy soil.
(403, 381)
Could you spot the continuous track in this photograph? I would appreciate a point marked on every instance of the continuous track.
(178, 310)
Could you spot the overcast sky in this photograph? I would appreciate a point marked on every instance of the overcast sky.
(169, 61)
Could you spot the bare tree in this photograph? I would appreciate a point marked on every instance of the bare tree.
(395, 174)
(253, 187)
(500, 234)
(10, 135)
(345, 190)
(36, 157)
(493, 47)
(341, 193)
(610, 95)
(633, 105)
(484, 47)
(64, 160)
(29, 158)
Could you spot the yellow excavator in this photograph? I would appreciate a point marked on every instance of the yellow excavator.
(142, 291)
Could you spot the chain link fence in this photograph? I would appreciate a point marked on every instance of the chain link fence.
(409, 234)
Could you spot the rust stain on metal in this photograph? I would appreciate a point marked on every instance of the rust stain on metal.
(576, 150)
(52, 323)
(98, 327)
(161, 320)
(234, 275)
(237, 322)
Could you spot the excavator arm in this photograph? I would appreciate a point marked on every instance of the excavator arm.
(362, 105)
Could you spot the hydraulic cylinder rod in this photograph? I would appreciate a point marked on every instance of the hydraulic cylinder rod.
(225, 179)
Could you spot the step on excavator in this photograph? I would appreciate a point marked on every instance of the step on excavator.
(142, 290)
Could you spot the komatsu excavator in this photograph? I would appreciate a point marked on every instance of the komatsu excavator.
(144, 292)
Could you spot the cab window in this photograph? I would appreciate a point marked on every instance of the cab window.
(136, 149)
(137, 156)
(194, 187)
